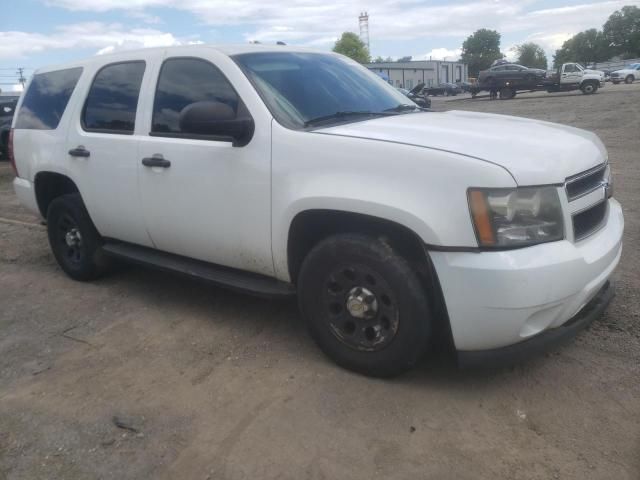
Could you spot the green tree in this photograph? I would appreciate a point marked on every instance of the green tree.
(351, 46)
(584, 47)
(405, 59)
(480, 50)
(531, 55)
(622, 32)
(378, 59)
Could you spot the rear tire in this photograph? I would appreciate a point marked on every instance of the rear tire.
(74, 240)
(629, 79)
(364, 305)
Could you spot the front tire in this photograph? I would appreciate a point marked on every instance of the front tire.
(629, 79)
(73, 238)
(364, 305)
(589, 88)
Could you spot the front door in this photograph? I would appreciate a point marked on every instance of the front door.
(571, 74)
(202, 196)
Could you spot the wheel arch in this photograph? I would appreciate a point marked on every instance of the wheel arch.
(51, 185)
(311, 226)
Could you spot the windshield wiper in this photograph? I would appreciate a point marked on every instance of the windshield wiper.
(403, 107)
(345, 114)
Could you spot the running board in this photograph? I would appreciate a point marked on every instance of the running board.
(224, 276)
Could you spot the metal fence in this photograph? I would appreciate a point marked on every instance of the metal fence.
(613, 65)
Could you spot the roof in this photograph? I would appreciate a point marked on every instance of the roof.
(230, 49)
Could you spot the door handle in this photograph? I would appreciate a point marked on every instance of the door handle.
(79, 151)
(156, 161)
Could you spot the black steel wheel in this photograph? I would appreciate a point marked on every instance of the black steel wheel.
(69, 240)
(73, 238)
(361, 310)
(364, 305)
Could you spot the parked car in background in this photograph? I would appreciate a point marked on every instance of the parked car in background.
(7, 108)
(445, 89)
(391, 224)
(513, 74)
(627, 75)
(465, 86)
(416, 95)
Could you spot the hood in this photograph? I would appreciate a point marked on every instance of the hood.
(533, 151)
(417, 89)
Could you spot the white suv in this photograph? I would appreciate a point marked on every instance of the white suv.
(279, 170)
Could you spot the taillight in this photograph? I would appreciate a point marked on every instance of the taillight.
(12, 157)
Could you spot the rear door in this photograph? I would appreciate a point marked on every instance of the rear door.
(102, 145)
(209, 199)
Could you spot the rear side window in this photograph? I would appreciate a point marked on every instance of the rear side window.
(113, 98)
(184, 81)
(46, 99)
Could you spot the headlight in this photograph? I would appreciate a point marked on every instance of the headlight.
(608, 177)
(516, 217)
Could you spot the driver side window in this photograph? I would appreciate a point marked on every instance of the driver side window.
(183, 82)
(570, 68)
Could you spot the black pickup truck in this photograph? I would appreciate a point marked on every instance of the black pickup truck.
(7, 107)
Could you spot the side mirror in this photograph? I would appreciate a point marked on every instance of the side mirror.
(216, 119)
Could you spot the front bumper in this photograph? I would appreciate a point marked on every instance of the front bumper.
(499, 298)
(547, 340)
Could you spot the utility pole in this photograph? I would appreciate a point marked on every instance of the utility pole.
(21, 78)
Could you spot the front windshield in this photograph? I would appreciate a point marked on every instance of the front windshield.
(299, 87)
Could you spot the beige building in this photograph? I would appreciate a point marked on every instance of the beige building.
(430, 72)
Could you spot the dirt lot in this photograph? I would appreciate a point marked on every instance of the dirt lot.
(223, 386)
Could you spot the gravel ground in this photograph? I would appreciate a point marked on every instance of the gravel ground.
(213, 384)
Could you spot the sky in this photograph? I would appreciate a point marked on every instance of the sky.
(35, 33)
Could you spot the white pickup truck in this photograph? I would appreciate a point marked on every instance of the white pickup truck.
(629, 74)
(283, 171)
(573, 76)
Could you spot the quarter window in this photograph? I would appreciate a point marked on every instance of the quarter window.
(47, 98)
(113, 98)
(183, 82)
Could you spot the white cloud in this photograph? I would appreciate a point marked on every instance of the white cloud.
(144, 17)
(440, 54)
(318, 22)
(105, 38)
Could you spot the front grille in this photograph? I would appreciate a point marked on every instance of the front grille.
(613, 75)
(585, 182)
(590, 220)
